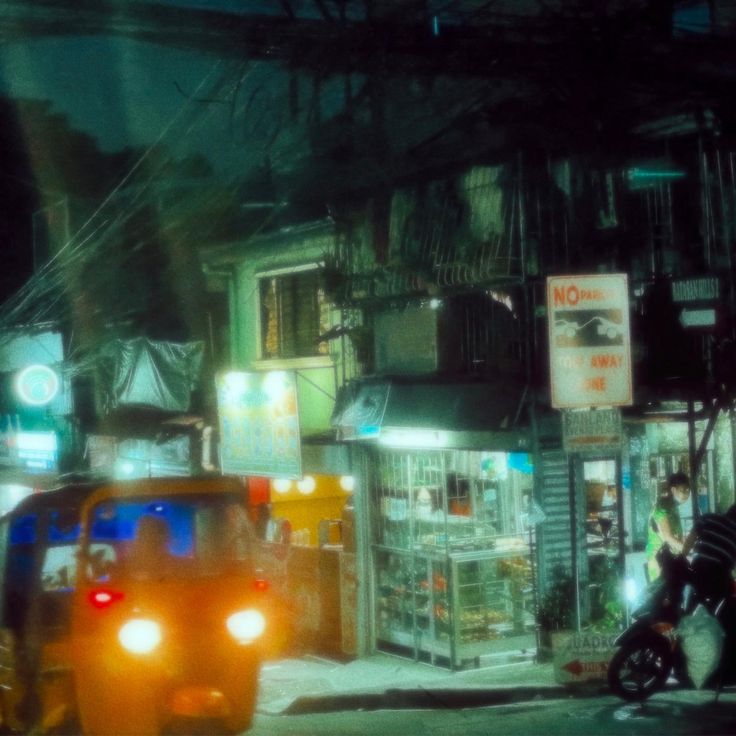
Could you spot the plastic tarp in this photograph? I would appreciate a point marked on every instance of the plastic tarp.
(155, 374)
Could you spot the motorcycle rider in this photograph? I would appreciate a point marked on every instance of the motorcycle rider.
(712, 540)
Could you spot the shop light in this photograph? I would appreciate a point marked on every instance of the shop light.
(417, 438)
(630, 589)
(275, 385)
(347, 483)
(126, 468)
(235, 384)
(648, 174)
(306, 485)
(282, 485)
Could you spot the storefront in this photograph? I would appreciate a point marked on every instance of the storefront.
(300, 489)
(597, 505)
(451, 549)
(308, 557)
(446, 494)
(667, 442)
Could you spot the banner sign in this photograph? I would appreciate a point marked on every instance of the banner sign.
(589, 341)
(591, 430)
(259, 424)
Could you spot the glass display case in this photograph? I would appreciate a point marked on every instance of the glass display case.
(452, 565)
(453, 610)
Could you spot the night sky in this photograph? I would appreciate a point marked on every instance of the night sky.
(72, 103)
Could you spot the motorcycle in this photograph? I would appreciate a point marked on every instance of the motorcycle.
(650, 649)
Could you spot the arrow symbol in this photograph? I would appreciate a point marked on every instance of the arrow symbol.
(698, 317)
(575, 667)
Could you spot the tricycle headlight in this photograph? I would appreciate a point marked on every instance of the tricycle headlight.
(140, 635)
(246, 626)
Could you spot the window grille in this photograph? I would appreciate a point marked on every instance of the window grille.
(294, 313)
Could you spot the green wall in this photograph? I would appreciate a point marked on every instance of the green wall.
(316, 377)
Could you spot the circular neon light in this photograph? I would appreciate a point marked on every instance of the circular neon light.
(37, 385)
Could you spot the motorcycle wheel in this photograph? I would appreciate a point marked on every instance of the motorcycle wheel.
(640, 668)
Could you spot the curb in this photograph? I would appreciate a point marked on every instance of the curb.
(434, 698)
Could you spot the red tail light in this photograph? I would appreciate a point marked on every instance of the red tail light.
(261, 585)
(103, 598)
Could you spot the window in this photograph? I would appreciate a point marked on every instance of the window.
(170, 537)
(294, 313)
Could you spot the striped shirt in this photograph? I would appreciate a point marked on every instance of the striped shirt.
(716, 540)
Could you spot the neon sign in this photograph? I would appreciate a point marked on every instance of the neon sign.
(37, 385)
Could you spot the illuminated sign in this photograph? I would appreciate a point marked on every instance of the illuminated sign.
(589, 341)
(37, 385)
(259, 424)
(37, 450)
(699, 297)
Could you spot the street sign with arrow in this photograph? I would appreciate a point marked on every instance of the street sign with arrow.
(582, 657)
(698, 298)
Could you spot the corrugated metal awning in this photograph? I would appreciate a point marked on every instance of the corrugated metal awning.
(466, 413)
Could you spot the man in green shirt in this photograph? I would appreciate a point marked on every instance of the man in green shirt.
(665, 525)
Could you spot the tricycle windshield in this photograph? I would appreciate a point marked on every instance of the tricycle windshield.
(170, 537)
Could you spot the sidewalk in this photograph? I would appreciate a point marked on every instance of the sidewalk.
(312, 685)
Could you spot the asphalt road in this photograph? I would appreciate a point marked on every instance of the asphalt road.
(672, 713)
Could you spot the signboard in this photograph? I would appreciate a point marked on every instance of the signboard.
(583, 657)
(591, 430)
(259, 424)
(589, 341)
(699, 289)
(37, 451)
(699, 296)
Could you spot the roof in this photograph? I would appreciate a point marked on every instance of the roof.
(63, 497)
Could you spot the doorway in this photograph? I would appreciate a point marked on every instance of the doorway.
(601, 556)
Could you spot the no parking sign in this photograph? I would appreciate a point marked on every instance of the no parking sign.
(589, 340)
